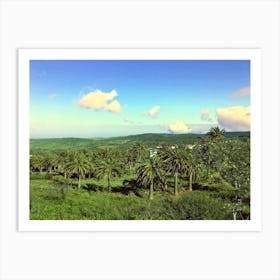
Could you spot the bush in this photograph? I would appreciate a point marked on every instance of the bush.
(38, 176)
(201, 206)
(56, 194)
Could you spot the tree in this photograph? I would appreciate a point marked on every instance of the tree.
(36, 162)
(146, 176)
(64, 157)
(139, 151)
(235, 167)
(208, 147)
(176, 164)
(163, 168)
(215, 134)
(108, 168)
(192, 166)
(79, 165)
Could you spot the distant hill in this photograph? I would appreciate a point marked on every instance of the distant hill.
(149, 140)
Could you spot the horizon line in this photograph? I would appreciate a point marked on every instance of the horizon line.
(128, 135)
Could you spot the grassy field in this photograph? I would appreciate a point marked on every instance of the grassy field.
(55, 202)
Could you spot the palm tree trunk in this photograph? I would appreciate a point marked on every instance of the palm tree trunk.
(176, 183)
(79, 182)
(109, 184)
(151, 192)
(190, 181)
(208, 169)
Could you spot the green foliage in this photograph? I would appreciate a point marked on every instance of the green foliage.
(49, 202)
(42, 175)
(201, 206)
(56, 194)
(108, 168)
(210, 179)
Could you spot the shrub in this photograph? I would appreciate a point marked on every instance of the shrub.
(56, 194)
(201, 206)
(39, 176)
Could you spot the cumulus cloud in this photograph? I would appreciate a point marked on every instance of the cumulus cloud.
(241, 92)
(205, 114)
(152, 112)
(235, 118)
(99, 100)
(179, 127)
(114, 107)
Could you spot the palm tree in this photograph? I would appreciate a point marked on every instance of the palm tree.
(48, 162)
(108, 168)
(191, 166)
(64, 158)
(215, 134)
(146, 175)
(163, 168)
(79, 165)
(36, 162)
(176, 164)
(139, 151)
(207, 147)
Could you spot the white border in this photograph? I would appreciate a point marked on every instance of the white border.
(254, 55)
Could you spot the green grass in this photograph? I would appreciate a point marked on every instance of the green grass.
(51, 201)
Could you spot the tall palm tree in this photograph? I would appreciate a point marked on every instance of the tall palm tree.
(163, 168)
(79, 165)
(192, 166)
(207, 147)
(146, 176)
(176, 163)
(49, 162)
(63, 160)
(108, 168)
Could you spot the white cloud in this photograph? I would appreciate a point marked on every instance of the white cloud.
(205, 114)
(179, 127)
(99, 100)
(241, 92)
(114, 107)
(52, 96)
(235, 118)
(152, 112)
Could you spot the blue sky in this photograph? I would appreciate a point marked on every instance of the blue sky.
(103, 98)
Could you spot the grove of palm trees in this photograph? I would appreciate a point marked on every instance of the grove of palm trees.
(208, 179)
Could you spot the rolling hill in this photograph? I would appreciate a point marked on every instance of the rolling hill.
(149, 140)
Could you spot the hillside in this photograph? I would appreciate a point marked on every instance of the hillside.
(149, 140)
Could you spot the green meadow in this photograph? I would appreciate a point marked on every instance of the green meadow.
(141, 177)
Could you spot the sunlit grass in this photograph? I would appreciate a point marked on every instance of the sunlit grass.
(53, 202)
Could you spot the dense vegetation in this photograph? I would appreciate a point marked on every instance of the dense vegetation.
(151, 176)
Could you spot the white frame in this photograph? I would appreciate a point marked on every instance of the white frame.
(254, 55)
